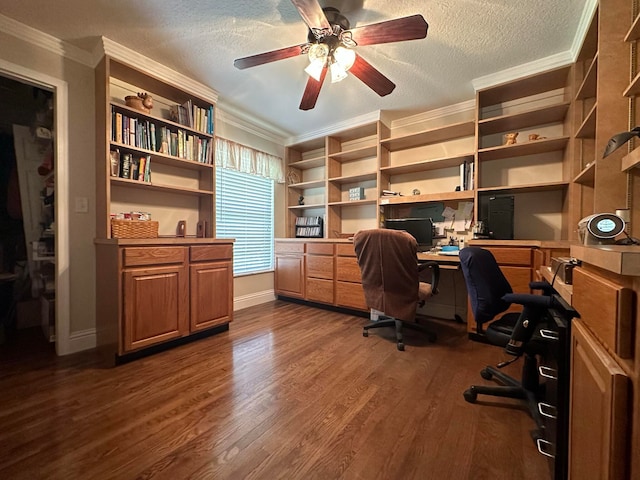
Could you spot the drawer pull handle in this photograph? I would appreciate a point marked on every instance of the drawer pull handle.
(541, 444)
(548, 372)
(549, 334)
(547, 410)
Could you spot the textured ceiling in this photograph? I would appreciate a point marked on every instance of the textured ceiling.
(467, 39)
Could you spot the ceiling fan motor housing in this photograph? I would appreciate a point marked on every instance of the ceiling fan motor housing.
(334, 17)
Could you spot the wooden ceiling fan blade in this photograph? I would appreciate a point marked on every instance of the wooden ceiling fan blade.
(312, 90)
(398, 30)
(312, 14)
(371, 77)
(268, 57)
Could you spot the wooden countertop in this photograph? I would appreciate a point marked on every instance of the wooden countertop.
(315, 240)
(620, 259)
(162, 241)
(520, 243)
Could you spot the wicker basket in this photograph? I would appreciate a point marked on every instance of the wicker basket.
(134, 228)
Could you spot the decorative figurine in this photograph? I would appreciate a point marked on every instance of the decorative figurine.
(300, 200)
(416, 191)
(292, 177)
(510, 138)
(535, 136)
(142, 102)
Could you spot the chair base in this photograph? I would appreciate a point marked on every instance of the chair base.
(398, 324)
(529, 389)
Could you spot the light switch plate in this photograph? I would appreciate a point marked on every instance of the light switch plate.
(82, 205)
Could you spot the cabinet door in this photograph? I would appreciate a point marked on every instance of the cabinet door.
(211, 294)
(289, 280)
(155, 304)
(598, 410)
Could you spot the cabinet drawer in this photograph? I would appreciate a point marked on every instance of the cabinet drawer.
(137, 256)
(201, 253)
(350, 295)
(606, 308)
(320, 248)
(289, 247)
(347, 270)
(512, 256)
(320, 266)
(319, 290)
(345, 250)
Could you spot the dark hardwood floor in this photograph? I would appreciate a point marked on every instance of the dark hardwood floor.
(288, 392)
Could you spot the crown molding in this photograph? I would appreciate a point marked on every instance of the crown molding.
(133, 58)
(585, 20)
(337, 127)
(461, 107)
(44, 40)
(231, 115)
(553, 61)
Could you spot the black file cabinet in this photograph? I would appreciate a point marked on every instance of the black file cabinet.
(554, 371)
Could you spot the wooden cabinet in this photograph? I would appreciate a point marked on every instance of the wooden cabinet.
(211, 276)
(319, 272)
(178, 152)
(349, 292)
(599, 411)
(151, 292)
(155, 305)
(289, 269)
(323, 272)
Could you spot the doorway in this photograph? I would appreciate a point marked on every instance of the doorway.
(37, 103)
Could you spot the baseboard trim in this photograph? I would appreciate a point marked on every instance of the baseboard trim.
(82, 340)
(253, 299)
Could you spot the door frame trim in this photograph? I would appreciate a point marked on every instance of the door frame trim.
(61, 129)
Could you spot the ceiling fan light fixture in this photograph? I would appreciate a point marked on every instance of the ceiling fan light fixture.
(314, 69)
(345, 57)
(318, 51)
(338, 73)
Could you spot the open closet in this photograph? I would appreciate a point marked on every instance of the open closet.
(27, 205)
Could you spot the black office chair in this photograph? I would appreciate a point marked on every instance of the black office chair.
(518, 332)
(391, 279)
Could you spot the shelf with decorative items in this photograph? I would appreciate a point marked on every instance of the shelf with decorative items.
(524, 130)
(158, 150)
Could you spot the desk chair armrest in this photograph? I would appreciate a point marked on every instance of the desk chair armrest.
(543, 285)
(435, 273)
(528, 299)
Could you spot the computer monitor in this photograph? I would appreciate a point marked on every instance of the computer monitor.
(420, 228)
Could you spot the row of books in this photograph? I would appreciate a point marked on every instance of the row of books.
(192, 116)
(142, 133)
(466, 175)
(129, 166)
(309, 232)
(305, 221)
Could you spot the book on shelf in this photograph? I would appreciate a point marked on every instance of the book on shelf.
(308, 221)
(135, 168)
(125, 165)
(114, 159)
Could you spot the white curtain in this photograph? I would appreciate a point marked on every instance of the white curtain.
(245, 159)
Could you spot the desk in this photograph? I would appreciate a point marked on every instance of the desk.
(452, 288)
(450, 262)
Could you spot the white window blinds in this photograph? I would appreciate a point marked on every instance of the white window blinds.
(244, 211)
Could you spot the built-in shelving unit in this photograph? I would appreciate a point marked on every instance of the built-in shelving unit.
(181, 185)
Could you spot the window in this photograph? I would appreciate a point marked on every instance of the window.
(244, 211)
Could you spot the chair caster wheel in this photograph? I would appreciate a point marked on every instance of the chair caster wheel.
(470, 395)
(486, 374)
(365, 333)
(401, 346)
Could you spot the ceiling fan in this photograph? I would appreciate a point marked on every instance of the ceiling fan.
(330, 44)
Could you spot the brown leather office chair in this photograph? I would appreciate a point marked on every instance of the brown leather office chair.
(391, 279)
